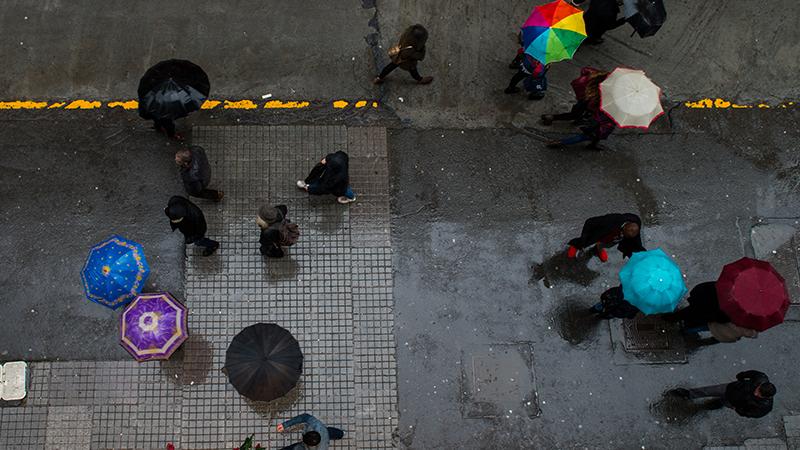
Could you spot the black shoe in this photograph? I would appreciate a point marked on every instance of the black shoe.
(210, 251)
(511, 90)
(547, 119)
(679, 392)
(716, 403)
(535, 96)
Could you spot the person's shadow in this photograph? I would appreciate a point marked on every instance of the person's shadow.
(573, 320)
(191, 363)
(676, 410)
(559, 267)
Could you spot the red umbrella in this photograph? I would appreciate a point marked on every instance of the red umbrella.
(753, 294)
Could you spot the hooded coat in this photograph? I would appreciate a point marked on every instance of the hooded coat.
(271, 236)
(198, 175)
(193, 225)
(331, 177)
(601, 17)
(600, 228)
(415, 37)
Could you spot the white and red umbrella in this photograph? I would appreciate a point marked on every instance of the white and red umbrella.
(630, 98)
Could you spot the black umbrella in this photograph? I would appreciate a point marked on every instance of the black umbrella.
(172, 89)
(263, 362)
(646, 16)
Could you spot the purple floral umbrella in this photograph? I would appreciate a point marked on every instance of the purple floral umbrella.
(153, 326)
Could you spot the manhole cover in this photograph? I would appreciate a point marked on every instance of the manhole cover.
(645, 333)
(499, 382)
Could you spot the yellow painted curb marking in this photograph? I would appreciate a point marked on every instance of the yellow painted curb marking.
(361, 104)
(340, 104)
(241, 104)
(83, 104)
(130, 104)
(277, 104)
(22, 105)
(210, 104)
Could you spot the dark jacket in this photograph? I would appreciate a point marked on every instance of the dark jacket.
(415, 37)
(598, 228)
(197, 176)
(271, 236)
(602, 16)
(704, 304)
(615, 305)
(193, 225)
(740, 394)
(331, 177)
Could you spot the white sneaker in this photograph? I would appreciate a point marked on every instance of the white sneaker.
(301, 184)
(344, 200)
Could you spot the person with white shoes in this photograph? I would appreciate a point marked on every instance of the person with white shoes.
(330, 176)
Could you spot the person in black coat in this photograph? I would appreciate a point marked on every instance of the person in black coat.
(407, 54)
(330, 176)
(196, 173)
(622, 230)
(750, 395)
(599, 18)
(613, 304)
(703, 308)
(188, 218)
(276, 230)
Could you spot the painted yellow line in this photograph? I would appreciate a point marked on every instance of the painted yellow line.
(209, 104)
(719, 103)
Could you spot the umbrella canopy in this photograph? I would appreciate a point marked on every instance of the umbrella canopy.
(153, 326)
(172, 89)
(553, 32)
(652, 282)
(115, 272)
(646, 16)
(630, 98)
(263, 362)
(753, 294)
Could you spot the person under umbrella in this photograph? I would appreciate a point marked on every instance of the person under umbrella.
(589, 80)
(170, 90)
(601, 16)
(704, 314)
(196, 173)
(276, 230)
(316, 434)
(613, 304)
(330, 176)
(601, 232)
(753, 294)
(263, 362)
(407, 54)
(645, 16)
(532, 73)
(189, 219)
(652, 282)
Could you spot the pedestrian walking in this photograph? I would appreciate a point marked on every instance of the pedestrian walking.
(188, 218)
(750, 395)
(407, 54)
(315, 434)
(196, 173)
(330, 176)
(276, 230)
(587, 90)
(531, 72)
(601, 16)
(602, 232)
(704, 314)
(613, 304)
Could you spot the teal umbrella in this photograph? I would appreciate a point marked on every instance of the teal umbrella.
(652, 282)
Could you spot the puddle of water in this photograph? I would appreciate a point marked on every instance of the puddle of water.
(675, 410)
(559, 267)
(574, 322)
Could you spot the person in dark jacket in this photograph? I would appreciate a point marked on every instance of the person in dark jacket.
(188, 218)
(406, 54)
(601, 16)
(316, 435)
(276, 230)
(587, 96)
(613, 304)
(196, 173)
(750, 395)
(330, 176)
(531, 72)
(622, 230)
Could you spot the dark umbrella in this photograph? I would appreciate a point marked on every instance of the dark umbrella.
(263, 362)
(646, 16)
(753, 294)
(172, 89)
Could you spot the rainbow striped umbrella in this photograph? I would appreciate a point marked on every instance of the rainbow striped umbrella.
(553, 32)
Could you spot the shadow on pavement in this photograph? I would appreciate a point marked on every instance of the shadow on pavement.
(573, 320)
(190, 364)
(559, 267)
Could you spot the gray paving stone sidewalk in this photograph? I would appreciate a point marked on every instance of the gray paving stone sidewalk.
(333, 291)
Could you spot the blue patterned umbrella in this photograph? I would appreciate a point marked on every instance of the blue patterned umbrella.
(115, 272)
(652, 282)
